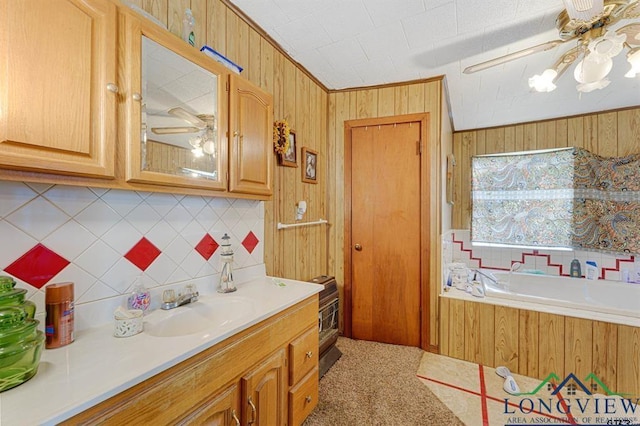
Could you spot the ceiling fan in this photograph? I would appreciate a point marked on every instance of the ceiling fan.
(203, 124)
(587, 22)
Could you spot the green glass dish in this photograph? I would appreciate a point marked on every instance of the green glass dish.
(19, 362)
(6, 283)
(21, 342)
(16, 297)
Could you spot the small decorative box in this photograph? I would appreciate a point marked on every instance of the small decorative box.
(127, 322)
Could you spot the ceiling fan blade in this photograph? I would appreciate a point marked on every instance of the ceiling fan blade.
(174, 130)
(512, 56)
(187, 116)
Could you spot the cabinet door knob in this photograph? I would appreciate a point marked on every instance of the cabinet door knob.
(309, 354)
(112, 88)
(253, 411)
(308, 399)
(137, 97)
(235, 417)
(358, 247)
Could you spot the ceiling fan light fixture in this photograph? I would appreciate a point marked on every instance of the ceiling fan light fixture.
(608, 45)
(544, 81)
(209, 147)
(197, 151)
(583, 10)
(633, 57)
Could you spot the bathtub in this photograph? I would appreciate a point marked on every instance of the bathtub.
(609, 297)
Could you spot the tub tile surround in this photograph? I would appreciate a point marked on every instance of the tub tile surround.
(456, 247)
(102, 240)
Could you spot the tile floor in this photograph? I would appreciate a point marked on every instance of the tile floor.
(475, 394)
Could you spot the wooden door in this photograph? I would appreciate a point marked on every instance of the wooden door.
(221, 410)
(250, 138)
(58, 92)
(386, 233)
(264, 392)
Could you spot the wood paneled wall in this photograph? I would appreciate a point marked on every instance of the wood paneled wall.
(610, 134)
(536, 344)
(417, 97)
(299, 253)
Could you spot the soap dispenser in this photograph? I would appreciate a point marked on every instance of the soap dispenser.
(140, 297)
(226, 284)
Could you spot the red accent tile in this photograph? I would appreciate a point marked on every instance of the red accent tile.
(37, 266)
(143, 254)
(250, 241)
(207, 246)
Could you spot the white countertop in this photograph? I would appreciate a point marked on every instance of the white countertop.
(98, 365)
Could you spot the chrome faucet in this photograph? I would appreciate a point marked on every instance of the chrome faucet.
(484, 275)
(170, 301)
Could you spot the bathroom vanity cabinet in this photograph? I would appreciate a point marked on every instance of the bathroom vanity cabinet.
(105, 116)
(265, 375)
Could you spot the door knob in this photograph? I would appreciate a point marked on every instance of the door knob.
(358, 247)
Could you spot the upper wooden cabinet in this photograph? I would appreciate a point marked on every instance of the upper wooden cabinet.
(251, 124)
(90, 89)
(199, 126)
(58, 91)
(175, 104)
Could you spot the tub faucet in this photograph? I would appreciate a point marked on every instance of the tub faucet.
(485, 275)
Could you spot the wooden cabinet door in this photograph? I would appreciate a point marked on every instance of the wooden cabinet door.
(250, 138)
(58, 92)
(264, 392)
(174, 102)
(221, 410)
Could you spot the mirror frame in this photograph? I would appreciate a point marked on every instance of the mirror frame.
(131, 57)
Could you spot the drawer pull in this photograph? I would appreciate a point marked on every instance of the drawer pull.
(235, 417)
(253, 411)
(308, 399)
(309, 354)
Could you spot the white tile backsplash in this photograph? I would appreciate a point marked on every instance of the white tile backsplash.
(456, 247)
(93, 228)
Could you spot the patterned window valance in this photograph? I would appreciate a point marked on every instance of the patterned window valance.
(563, 198)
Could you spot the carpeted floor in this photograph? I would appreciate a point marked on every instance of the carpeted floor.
(376, 384)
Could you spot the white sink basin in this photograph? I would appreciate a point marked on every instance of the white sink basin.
(208, 313)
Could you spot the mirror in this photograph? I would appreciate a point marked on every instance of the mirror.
(179, 115)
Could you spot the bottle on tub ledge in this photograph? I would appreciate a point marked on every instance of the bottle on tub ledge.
(575, 271)
(59, 321)
(592, 272)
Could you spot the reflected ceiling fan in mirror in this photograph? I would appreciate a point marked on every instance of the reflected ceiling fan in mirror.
(203, 124)
(588, 23)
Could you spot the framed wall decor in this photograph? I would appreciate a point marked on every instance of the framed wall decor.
(309, 165)
(289, 158)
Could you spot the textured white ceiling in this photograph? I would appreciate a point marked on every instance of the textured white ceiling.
(355, 43)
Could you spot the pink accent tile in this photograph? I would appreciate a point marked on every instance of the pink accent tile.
(207, 246)
(143, 254)
(250, 242)
(37, 266)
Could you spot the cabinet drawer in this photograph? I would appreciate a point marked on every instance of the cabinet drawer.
(303, 353)
(303, 398)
